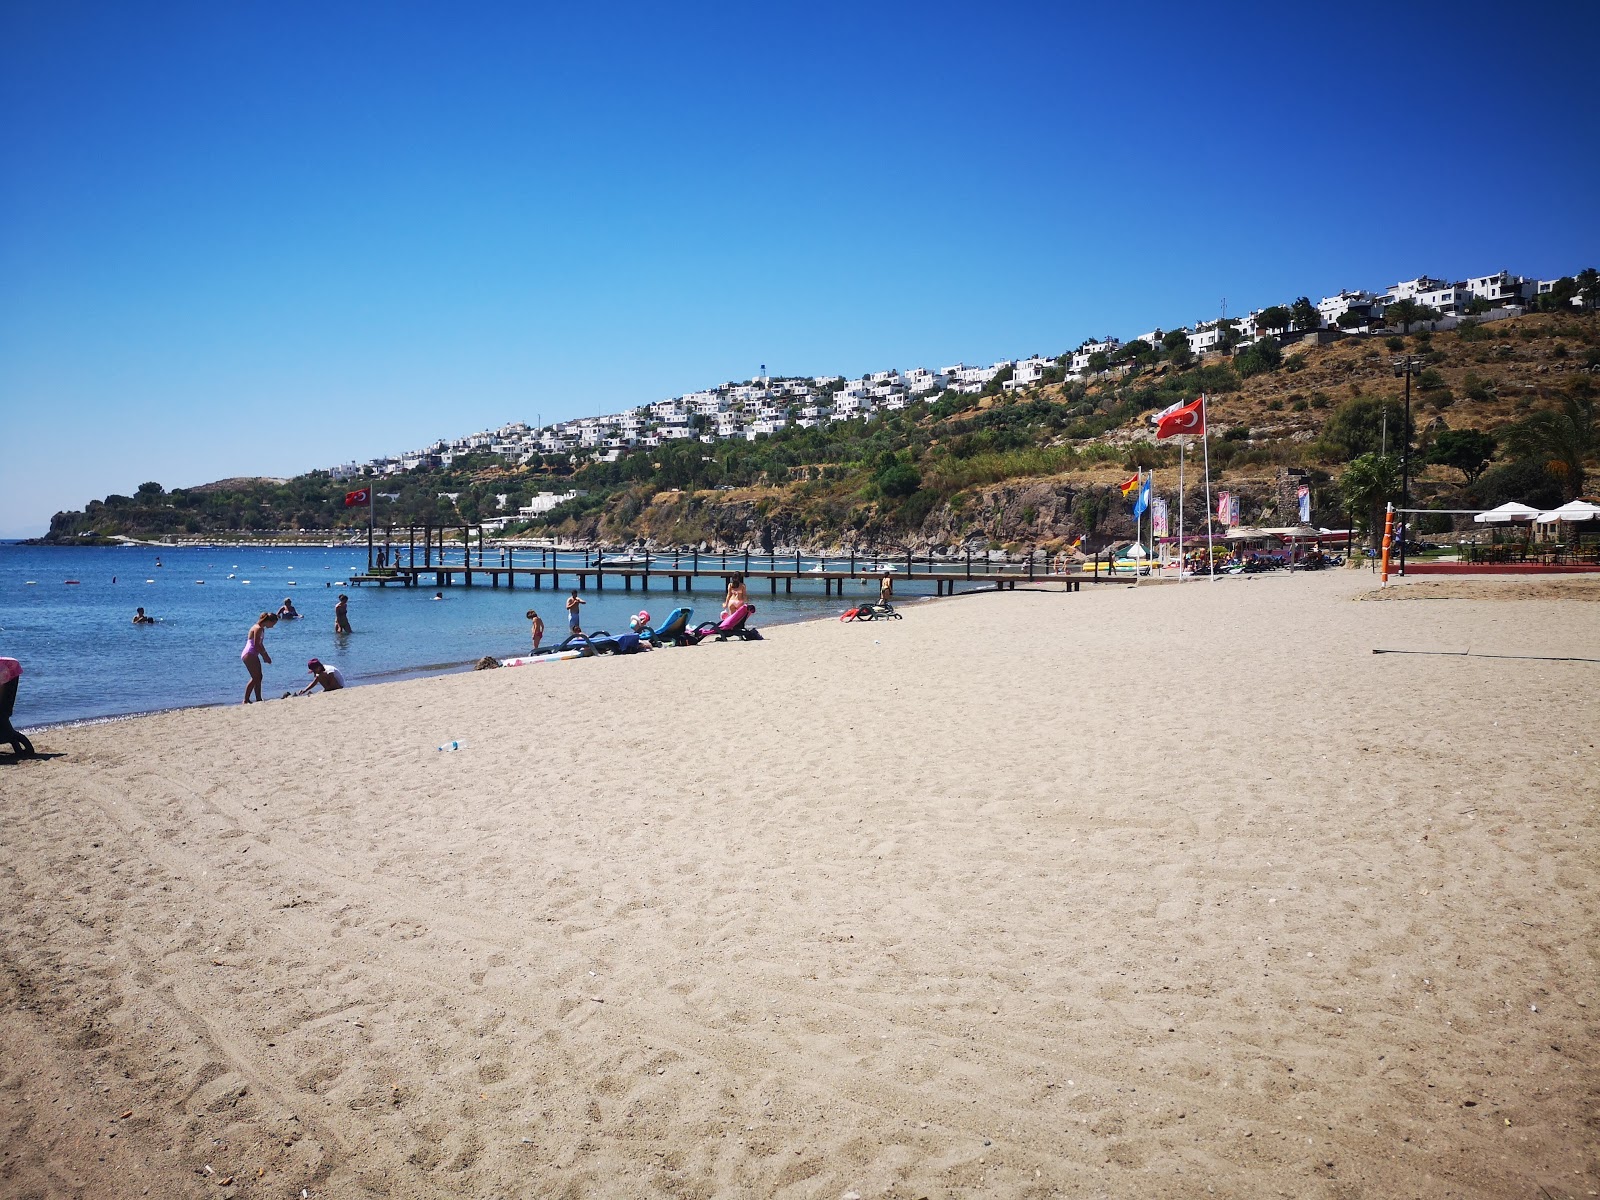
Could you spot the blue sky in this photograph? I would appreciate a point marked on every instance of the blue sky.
(249, 238)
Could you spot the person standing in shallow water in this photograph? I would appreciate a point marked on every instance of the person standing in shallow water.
(341, 615)
(535, 629)
(255, 653)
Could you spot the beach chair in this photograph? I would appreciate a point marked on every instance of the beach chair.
(875, 611)
(674, 630)
(734, 625)
(583, 643)
(10, 673)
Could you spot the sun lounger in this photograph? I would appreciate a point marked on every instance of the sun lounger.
(673, 631)
(734, 625)
(10, 672)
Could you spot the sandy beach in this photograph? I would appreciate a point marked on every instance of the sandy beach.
(1166, 891)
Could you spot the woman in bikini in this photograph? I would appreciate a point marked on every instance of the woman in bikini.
(255, 653)
(736, 597)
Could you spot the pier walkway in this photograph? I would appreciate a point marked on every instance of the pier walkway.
(678, 572)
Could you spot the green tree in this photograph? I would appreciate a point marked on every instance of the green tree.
(1559, 297)
(1173, 341)
(1259, 358)
(1407, 313)
(1305, 314)
(1357, 426)
(1227, 334)
(1466, 450)
(1562, 439)
(1588, 282)
(1098, 361)
(1526, 482)
(1276, 319)
(1351, 320)
(897, 480)
(1367, 485)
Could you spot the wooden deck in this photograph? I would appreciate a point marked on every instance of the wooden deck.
(682, 576)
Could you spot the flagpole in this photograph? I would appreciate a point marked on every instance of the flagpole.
(370, 523)
(1138, 522)
(1205, 446)
(1182, 446)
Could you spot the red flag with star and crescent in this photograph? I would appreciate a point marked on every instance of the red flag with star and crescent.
(360, 496)
(1181, 419)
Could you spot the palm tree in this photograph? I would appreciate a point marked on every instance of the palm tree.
(1367, 485)
(1560, 438)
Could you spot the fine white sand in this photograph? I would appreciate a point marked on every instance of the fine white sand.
(1141, 892)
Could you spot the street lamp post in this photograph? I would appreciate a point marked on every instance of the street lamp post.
(1405, 365)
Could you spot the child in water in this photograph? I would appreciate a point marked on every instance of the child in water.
(536, 629)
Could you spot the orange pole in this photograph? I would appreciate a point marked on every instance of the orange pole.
(1388, 536)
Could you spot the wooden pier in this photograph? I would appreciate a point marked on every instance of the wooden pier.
(679, 572)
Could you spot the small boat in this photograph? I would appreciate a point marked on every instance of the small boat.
(70, 582)
(623, 560)
(880, 569)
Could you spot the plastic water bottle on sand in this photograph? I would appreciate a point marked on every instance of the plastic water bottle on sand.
(451, 746)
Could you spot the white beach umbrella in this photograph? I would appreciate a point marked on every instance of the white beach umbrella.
(1571, 511)
(1511, 510)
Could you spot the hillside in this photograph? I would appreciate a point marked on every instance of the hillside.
(1036, 467)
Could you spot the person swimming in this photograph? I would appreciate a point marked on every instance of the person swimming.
(140, 619)
(288, 612)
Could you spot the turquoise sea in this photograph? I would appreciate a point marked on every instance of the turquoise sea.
(83, 658)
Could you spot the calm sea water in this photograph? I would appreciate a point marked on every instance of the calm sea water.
(83, 657)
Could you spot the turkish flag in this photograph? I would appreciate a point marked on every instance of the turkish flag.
(1186, 418)
(364, 496)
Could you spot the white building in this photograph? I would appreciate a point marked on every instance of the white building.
(1333, 307)
(1027, 372)
(1503, 289)
(1081, 356)
(1410, 289)
(971, 380)
(1448, 299)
